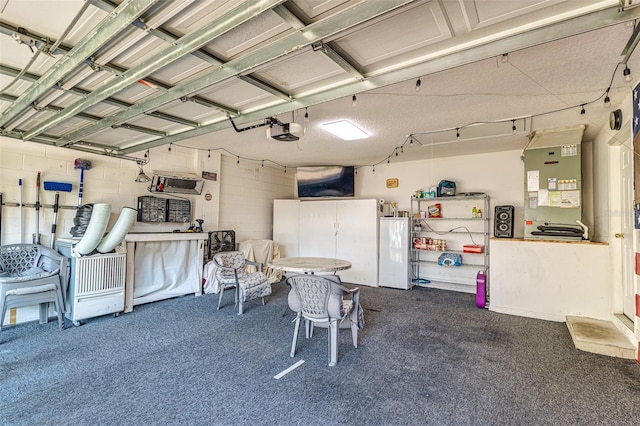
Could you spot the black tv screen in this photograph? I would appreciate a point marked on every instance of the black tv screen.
(326, 181)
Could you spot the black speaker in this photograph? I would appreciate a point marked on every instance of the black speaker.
(503, 222)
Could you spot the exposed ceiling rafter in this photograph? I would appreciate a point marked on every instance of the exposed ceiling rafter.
(348, 18)
(534, 37)
(219, 25)
(126, 12)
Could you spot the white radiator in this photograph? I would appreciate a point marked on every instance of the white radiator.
(96, 286)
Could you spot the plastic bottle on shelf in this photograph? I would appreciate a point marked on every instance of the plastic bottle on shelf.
(432, 191)
(474, 212)
(479, 214)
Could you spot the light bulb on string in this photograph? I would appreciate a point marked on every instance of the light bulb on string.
(457, 133)
(146, 154)
(627, 74)
(411, 140)
(607, 101)
(353, 101)
(418, 84)
(396, 151)
(306, 115)
(170, 147)
(285, 169)
(505, 58)
(373, 169)
(238, 162)
(262, 163)
(209, 154)
(401, 148)
(583, 113)
(513, 127)
(388, 160)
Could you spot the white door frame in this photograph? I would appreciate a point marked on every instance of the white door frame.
(621, 141)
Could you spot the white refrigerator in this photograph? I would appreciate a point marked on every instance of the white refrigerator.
(393, 262)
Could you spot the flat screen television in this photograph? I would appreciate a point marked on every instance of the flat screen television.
(326, 181)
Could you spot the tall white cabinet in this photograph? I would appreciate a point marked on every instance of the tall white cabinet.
(344, 229)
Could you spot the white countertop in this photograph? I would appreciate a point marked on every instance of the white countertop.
(165, 236)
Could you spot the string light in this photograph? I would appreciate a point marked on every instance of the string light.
(209, 155)
(373, 168)
(418, 84)
(146, 154)
(627, 74)
(306, 115)
(285, 169)
(388, 160)
(353, 101)
(513, 127)
(505, 58)
(410, 137)
(607, 101)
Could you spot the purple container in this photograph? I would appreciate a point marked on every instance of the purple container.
(481, 290)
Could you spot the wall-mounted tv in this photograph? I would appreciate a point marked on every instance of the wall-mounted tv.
(326, 181)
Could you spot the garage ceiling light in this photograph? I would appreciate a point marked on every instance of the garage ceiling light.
(345, 130)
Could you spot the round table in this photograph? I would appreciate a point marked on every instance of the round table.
(310, 265)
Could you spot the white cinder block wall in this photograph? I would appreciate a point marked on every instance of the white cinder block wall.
(110, 180)
(246, 195)
(499, 174)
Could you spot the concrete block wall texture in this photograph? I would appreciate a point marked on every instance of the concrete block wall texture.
(247, 193)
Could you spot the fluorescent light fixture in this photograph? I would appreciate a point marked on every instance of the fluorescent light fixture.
(345, 130)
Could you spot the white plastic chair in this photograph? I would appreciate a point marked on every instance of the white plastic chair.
(32, 274)
(319, 300)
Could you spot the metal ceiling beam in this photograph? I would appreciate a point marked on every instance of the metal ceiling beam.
(334, 24)
(339, 60)
(266, 87)
(229, 20)
(552, 32)
(102, 33)
(296, 23)
(209, 104)
(173, 118)
(91, 117)
(81, 92)
(201, 54)
(140, 129)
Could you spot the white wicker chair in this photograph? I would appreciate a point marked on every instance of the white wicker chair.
(32, 274)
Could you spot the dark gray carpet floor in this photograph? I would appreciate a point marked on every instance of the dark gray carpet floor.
(425, 357)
